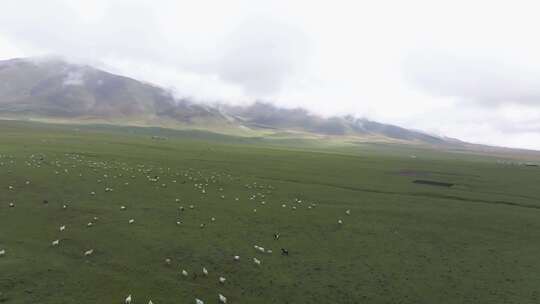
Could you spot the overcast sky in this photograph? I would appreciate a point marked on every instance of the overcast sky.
(464, 69)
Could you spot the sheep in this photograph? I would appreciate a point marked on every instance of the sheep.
(131, 221)
(213, 219)
(284, 251)
(222, 280)
(198, 301)
(205, 271)
(269, 251)
(2, 252)
(150, 302)
(11, 205)
(55, 242)
(127, 300)
(236, 258)
(222, 299)
(256, 261)
(184, 273)
(122, 208)
(276, 236)
(90, 224)
(64, 206)
(168, 261)
(89, 252)
(62, 228)
(340, 222)
(348, 212)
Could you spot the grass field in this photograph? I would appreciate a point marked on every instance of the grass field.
(475, 242)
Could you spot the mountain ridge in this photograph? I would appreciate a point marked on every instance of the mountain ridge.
(56, 89)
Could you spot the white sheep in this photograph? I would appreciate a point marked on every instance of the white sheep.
(11, 205)
(340, 222)
(198, 301)
(2, 252)
(131, 221)
(122, 208)
(127, 300)
(63, 227)
(55, 242)
(90, 224)
(348, 212)
(256, 261)
(184, 273)
(205, 271)
(89, 252)
(222, 299)
(222, 280)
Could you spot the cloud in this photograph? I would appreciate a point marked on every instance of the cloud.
(73, 78)
(479, 80)
(261, 55)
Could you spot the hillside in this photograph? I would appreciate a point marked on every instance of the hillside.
(56, 89)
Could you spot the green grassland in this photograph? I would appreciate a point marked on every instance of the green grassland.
(475, 242)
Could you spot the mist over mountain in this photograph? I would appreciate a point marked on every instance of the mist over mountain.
(56, 89)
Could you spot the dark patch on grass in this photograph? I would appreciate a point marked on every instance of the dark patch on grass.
(432, 183)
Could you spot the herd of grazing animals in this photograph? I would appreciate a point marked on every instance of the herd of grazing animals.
(155, 175)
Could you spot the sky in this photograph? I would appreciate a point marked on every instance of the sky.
(463, 69)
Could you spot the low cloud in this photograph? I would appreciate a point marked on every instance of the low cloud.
(483, 81)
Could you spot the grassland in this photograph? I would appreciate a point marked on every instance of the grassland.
(475, 242)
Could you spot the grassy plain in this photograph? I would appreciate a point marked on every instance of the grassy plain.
(475, 242)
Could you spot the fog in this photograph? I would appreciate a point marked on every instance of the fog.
(464, 69)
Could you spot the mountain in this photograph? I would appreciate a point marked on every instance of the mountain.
(55, 89)
(267, 116)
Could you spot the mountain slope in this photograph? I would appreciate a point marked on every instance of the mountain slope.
(265, 115)
(53, 88)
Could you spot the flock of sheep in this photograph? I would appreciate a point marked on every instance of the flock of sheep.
(155, 176)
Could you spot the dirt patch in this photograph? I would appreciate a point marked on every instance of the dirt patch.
(432, 183)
